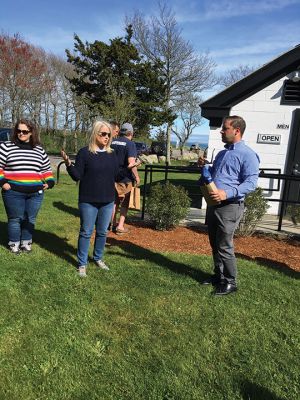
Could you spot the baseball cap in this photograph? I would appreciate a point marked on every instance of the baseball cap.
(126, 128)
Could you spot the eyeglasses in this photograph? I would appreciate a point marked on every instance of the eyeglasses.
(23, 131)
(103, 134)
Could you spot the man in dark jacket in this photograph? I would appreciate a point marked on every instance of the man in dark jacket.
(126, 153)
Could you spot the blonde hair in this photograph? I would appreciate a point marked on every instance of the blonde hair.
(93, 147)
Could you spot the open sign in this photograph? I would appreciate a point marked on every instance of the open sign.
(268, 139)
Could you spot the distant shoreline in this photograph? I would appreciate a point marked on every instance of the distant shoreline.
(202, 145)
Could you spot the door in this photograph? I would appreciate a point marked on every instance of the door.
(293, 163)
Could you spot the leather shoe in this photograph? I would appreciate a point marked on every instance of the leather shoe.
(225, 288)
(212, 280)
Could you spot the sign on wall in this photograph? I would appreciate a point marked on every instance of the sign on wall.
(283, 126)
(268, 139)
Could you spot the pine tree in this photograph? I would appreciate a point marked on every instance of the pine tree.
(117, 83)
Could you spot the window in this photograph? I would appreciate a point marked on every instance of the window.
(290, 93)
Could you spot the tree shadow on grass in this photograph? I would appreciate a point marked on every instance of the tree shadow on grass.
(276, 265)
(140, 253)
(65, 208)
(55, 245)
(252, 391)
(48, 241)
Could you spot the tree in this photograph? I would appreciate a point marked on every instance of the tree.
(160, 135)
(159, 40)
(119, 108)
(117, 83)
(235, 74)
(190, 115)
(34, 84)
(22, 75)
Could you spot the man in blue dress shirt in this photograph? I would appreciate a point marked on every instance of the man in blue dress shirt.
(235, 172)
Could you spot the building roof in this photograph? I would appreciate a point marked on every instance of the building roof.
(218, 106)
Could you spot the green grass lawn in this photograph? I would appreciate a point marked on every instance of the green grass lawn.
(144, 330)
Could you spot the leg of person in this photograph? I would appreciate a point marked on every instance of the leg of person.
(212, 225)
(124, 209)
(14, 203)
(33, 204)
(121, 190)
(228, 218)
(103, 218)
(88, 215)
(113, 222)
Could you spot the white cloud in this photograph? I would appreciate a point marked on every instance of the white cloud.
(57, 39)
(253, 49)
(230, 8)
(221, 9)
(257, 51)
(54, 40)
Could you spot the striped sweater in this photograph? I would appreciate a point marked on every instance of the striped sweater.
(26, 169)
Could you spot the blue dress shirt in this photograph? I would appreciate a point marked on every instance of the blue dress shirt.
(235, 170)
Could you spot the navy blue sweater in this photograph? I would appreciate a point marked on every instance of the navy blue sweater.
(97, 174)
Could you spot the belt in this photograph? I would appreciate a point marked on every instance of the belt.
(226, 202)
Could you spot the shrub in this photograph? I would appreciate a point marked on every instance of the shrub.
(293, 211)
(255, 208)
(167, 205)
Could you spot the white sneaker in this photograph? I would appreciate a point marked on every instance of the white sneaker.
(14, 247)
(82, 271)
(26, 248)
(101, 264)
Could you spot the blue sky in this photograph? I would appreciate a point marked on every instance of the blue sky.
(234, 32)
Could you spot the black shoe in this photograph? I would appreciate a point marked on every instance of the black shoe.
(212, 280)
(225, 288)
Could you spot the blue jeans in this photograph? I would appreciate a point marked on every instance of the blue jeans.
(21, 210)
(92, 214)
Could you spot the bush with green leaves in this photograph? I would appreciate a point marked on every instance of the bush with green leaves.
(293, 211)
(256, 207)
(167, 205)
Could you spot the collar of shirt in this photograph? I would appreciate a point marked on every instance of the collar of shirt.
(232, 146)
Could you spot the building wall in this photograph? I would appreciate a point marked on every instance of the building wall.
(262, 113)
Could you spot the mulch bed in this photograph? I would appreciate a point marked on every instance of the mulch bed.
(267, 250)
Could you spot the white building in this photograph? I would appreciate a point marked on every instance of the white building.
(269, 101)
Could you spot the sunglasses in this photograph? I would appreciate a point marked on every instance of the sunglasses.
(23, 131)
(103, 134)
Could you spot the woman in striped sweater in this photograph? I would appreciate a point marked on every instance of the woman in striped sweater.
(25, 174)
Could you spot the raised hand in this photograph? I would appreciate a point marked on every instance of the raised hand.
(201, 161)
(65, 157)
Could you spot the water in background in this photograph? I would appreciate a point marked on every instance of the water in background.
(202, 145)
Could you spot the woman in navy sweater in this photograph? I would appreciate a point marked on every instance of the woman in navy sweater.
(96, 168)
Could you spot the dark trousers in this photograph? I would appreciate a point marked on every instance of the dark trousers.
(222, 220)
